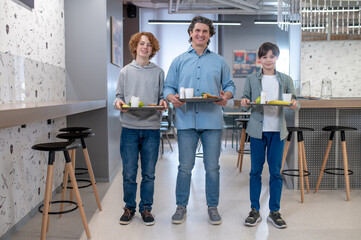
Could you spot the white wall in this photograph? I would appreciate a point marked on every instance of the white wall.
(173, 39)
(339, 61)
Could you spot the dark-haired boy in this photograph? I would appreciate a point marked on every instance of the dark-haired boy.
(267, 130)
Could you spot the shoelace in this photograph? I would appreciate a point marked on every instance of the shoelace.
(127, 212)
(252, 213)
(179, 211)
(147, 214)
(213, 211)
(277, 214)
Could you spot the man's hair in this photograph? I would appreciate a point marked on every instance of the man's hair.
(135, 39)
(200, 19)
(265, 47)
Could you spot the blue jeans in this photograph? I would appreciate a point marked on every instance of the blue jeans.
(270, 141)
(187, 146)
(132, 142)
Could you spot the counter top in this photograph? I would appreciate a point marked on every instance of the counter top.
(15, 114)
(331, 103)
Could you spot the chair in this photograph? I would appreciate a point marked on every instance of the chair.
(230, 124)
(166, 128)
(302, 164)
(244, 122)
(334, 171)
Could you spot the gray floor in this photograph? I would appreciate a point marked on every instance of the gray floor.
(325, 215)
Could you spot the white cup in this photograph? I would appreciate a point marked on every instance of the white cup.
(188, 92)
(287, 97)
(134, 101)
(181, 92)
(263, 97)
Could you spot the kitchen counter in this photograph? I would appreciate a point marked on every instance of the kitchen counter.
(15, 114)
(331, 103)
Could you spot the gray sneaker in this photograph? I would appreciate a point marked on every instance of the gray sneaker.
(253, 218)
(214, 217)
(275, 218)
(179, 215)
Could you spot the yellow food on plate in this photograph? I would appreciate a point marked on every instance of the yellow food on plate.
(125, 106)
(207, 95)
(279, 102)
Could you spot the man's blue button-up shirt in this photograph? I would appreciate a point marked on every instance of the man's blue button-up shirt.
(208, 73)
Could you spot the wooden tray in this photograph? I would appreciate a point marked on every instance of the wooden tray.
(200, 100)
(270, 105)
(145, 108)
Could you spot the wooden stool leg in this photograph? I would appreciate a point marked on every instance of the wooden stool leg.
(63, 191)
(241, 149)
(285, 153)
(323, 164)
(300, 168)
(92, 179)
(78, 198)
(51, 193)
(305, 166)
(73, 154)
(345, 168)
(47, 199)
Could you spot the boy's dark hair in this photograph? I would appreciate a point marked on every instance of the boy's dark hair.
(200, 19)
(265, 47)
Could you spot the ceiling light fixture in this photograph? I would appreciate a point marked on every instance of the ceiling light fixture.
(187, 22)
(270, 22)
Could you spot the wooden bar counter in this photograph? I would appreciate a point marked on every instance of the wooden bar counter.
(317, 114)
(15, 114)
(332, 103)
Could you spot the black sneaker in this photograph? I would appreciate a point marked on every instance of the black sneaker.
(275, 218)
(253, 218)
(147, 217)
(127, 216)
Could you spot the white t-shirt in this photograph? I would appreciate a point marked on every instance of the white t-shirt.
(271, 122)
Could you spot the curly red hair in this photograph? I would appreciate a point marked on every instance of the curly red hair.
(134, 41)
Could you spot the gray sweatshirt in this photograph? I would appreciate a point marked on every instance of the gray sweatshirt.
(147, 84)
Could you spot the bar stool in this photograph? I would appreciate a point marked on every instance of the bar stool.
(302, 163)
(346, 171)
(52, 148)
(78, 171)
(71, 137)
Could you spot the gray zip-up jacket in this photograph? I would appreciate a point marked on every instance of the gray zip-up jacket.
(147, 84)
(252, 90)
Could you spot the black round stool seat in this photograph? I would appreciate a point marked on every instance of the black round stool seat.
(298, 129)
(56, 146)
(75, 135)
(338, 128)
(75, 129)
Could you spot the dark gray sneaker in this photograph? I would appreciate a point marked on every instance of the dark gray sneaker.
(275, 218)
(214, 217)
(253, 218)
(127, 216)
(180, 215)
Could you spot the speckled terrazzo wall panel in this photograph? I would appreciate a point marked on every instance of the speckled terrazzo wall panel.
(32, 69)
(23, 170)
(339, 61)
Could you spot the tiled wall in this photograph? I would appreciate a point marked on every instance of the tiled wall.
(340, 61)
(32, 69)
